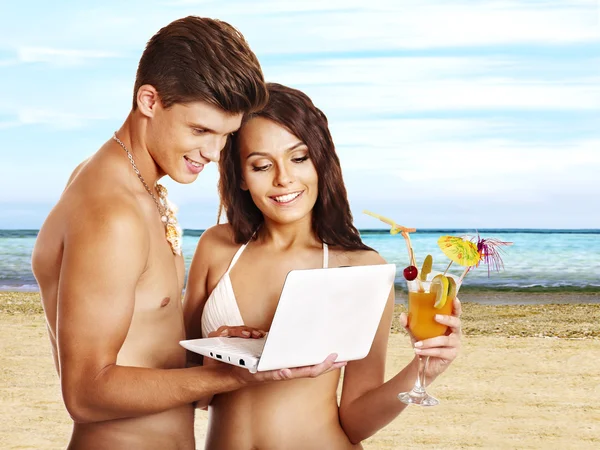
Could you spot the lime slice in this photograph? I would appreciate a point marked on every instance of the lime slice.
(451, 288)
(426, 269)
(439, 287)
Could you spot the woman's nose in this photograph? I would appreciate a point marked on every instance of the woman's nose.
(284, 176)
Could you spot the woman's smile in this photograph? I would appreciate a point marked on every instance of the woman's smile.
(286, 199)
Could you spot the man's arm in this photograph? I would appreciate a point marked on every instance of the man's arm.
(105, 253)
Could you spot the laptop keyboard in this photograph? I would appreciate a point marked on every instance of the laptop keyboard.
(253, 347)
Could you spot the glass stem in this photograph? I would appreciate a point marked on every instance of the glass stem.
(421, 383)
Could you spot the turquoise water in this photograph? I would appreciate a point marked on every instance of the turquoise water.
(560, 260)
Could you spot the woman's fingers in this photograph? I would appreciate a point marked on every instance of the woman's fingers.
(239, 331)
(403, 320)
(302, 372)
(453, 322)
(445, 353)
(456, 307)
(451, 340)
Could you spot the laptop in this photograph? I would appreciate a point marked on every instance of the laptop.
(320, 311)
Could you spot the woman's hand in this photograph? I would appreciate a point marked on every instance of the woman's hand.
(240, 331)
(442, 350)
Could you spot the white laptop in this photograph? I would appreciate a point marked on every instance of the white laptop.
(320, 311)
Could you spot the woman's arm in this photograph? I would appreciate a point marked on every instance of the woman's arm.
(367, 403)
(196, 294)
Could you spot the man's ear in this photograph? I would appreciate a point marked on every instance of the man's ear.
(148, 100)
(243, 185)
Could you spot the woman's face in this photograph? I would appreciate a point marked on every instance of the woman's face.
(277, 171)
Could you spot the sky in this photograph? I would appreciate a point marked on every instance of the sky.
(445, 114)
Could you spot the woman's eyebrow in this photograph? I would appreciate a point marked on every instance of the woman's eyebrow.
(292, 148)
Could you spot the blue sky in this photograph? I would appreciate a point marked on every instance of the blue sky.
(474, 114)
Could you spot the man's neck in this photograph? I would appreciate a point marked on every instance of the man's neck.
(133, 135)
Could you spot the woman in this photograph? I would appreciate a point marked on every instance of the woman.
(282, 188)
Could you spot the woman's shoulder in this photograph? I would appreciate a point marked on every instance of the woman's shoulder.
(215, 250)
(220, 234)
(357, 257)
(215, 242)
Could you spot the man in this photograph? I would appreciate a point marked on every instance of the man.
(108, 259)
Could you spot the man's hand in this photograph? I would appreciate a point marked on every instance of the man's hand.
(289, 374)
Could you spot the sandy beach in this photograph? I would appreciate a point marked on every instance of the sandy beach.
(528, 378)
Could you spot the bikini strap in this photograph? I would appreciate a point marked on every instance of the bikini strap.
(243, 247)
(236, 257)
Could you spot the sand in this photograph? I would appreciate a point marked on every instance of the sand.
(528, 378)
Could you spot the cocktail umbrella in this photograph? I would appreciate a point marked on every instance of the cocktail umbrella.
(398, 229)
(460, 251)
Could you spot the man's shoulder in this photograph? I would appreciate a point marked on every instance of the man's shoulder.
(103, 216)
(89, 204)
(76, 171)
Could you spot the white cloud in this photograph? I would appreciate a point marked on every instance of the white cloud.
(414, 84)
(275, 27)
(414, 25)
(512, 170)
(55, 118)
(61, 56)
(68, 105)
(508, 162)
(488, 159)
(463, 95)
(399, 69)
(9, 124)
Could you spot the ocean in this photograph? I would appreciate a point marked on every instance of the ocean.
(538, 260)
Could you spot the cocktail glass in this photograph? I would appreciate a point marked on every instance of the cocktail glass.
(421, 323)
(424, 292)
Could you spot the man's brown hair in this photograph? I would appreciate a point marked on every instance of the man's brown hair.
(201, 59)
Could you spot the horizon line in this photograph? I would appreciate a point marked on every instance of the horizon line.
(387, 230)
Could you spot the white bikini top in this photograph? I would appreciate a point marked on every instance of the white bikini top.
(221, 308)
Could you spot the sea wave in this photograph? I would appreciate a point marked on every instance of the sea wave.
(19, 288)
(531, 288)
(401, 286)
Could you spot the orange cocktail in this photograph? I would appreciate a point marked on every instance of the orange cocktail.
(421, 315)
(421, 310)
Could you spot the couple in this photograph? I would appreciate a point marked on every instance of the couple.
(108, 264)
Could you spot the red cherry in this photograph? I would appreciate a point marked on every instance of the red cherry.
(410, 273)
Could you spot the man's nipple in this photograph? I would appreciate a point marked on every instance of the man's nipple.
(165, 302)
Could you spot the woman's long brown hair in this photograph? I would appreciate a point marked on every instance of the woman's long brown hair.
(331, 216)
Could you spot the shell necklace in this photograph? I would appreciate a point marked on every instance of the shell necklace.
(166, 209)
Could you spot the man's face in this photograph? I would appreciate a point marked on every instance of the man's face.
(186, 137)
